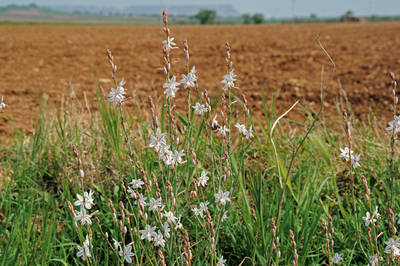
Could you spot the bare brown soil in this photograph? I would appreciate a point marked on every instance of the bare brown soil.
(286, 59)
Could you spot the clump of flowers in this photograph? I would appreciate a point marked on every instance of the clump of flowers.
(371, 219)
(394, 125)
(84, 250)
(171, 87)
(348, 154)
(337, 258)
(229, 79)
(189, 80)
(247, 133)
(159, 143)
(222, 197)
(117, 95)
(199, 109)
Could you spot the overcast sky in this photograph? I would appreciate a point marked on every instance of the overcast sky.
(276, 8)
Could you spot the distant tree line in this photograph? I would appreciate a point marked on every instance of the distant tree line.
(256, 18)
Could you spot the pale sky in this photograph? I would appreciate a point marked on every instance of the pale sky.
(276, 8)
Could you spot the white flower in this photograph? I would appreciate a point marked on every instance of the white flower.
(200, 211)
(222, 197)
(369, 219)
(229, 79)
(158, 141)
(203, 206)
(117, 95)
(131, 192)
(242, 128)
(193, 73)
(155, 204)
(190, 79)
(221, 261)
(148, 233)
(165, 154)
(374, 260)
(355, 161)
(393, 125)
(197, 212)
(169, 44)
(170, 217)
(84, 251)
(142, 199)
(176, 157)
(83, 217)
(127, 254)
(395, 253)
(179, 224)
(337, 258)
(199, 109)
(224, 216)
(136, 183)
(391, 245)
(376, 213)
(249, 133)
(166, 230)
(346, 153)
(117, 245)
(222, 130)
(2, 104)
(203, 178)
(159, 240)
(86, 200)
(214, 123)
(171, 87)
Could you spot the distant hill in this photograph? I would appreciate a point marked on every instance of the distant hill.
(35, 14)
(148, 10)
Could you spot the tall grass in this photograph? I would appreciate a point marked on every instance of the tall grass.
(289, 198)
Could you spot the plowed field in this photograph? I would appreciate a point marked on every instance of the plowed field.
(284, 59)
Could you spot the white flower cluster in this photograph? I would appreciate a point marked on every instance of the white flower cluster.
(133, 186)
(203, 179)
(199, 109)
(222, 197)
(393, 247)
(171, 87)
(346, 153)
(248, 133)
(200, 211)
(374, 260)
(117, 95)
(150, 233)
(153, 204)
(337, 258)
(229, 80)
(221, 130)
(84, 251)
(169, 44)
(125, 252)
(395, 124)
(371, 219)
(189, 80)
(159, 143)
(221, 261)
(85, 202)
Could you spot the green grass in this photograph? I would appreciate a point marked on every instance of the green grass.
(41, 173)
